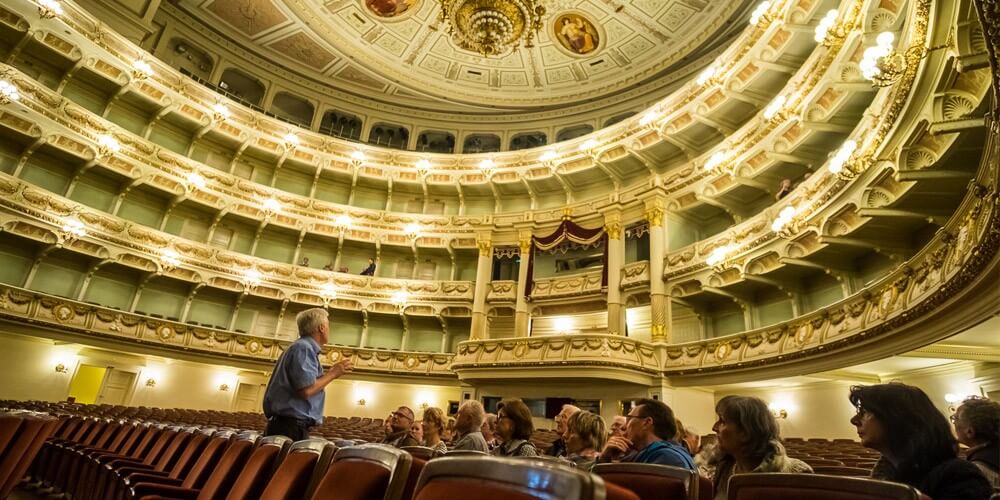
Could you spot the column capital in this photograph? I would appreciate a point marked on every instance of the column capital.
(654, 216)
(485, 248)
(614, 230)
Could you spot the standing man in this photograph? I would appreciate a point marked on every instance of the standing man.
(294, 399)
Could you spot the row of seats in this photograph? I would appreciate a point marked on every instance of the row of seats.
(22, 435)
(101, 458)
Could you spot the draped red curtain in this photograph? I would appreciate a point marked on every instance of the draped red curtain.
(567, 230)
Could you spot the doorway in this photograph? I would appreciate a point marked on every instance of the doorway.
(117, 388)
(86, 384)
(250, 397)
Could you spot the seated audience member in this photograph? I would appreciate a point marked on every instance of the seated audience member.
(747, 440)
(783, 189)
(692, 440)
(558, 448)
(305, 262)
(400, 422)
(679, 436)
(617, 426)
(915, 441)
(977, 424)
(468, 423)
(417, 431)
(650, 427)
(449, 431)
(434, 423)
(489, 431)
(514, 428)
(343, 269)
(370, 270)
(328, 266)
(585, 436)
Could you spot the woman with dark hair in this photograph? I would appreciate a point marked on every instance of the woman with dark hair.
(514, 428)
(747, 440)
(900, 422)
(977, 424)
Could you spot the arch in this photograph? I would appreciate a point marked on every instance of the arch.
(242, 87)
(390, 135)
(619, 118)
(481, 143)
(436, 141)
(341, 124)
(190, 59)
(528, 140)
(573, 132)
(293, 108)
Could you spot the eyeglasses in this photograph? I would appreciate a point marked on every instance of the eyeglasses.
(401, 415)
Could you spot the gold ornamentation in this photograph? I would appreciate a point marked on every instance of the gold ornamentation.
(164, 332)
(659, 332)
(485, 248)
(614, 230)
(654, 216)
(492, 27)
(63, 313)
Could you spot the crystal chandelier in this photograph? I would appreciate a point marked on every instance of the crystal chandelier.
(492, 27)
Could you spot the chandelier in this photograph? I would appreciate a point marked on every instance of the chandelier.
(492, 27)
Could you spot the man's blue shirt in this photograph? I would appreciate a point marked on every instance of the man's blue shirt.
(296, 369)
(664, 453)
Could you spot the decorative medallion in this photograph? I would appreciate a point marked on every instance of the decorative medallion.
(63, 313)
(164, 332)
(333, 356)
(411, 363)
(722, 352)
(520, 350)
(388, 9)
(576, 34)
(254, 346)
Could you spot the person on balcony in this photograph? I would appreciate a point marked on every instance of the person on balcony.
(401, 423)
(747, 440)
(647, 439)
(977, 424)
(917, 446)
(370, 270)
(514, 428)
(468, 423)
(295, 394)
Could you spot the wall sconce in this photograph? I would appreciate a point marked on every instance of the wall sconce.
(548, 156)
(361, 402)
(170, 259)
(399, 298)
(150, 382)
(881, 64)
(424, 406)
(196, 181)
(588, 146)
(107, 146)
(412, 230)
(251, 279)
(72, 229)
(784, 218)
(49, 9)
(220, 112)
(328, 293)
(708, 75)
(778, 410)
(141, 70)
(271, 207)
(342, 222)
(61, 368)
(423, 167)
(563, 325)
(291, 141)
(224, 387)
(8, 93)
(717, 258)
(358, 157)
(761, 14)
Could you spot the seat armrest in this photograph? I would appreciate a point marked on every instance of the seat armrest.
(151, 477)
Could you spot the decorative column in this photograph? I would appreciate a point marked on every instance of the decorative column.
(657, 291)
(616, 258)
(521, 315)
(483, 268)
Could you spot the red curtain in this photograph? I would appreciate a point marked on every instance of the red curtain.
(567, 230)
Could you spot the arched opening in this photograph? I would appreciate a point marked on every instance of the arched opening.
(242, 87)
(528, 140)
(573, 132)
(435, 141)
(389, 135)
(340, 124)
(293, 109)
(190, 60)
(481, 143)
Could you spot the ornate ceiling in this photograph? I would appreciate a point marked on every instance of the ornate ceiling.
(395, 51)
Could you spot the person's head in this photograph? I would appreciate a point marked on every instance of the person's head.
(371, 261)
(314, 323)
(648, 421)
(449, 429)
(618, 426)
(489, 427)
(401, 419)
(434, 422)
(977, 422)
(417, 431)
(786, 183)
(514, 420)
(565, 21)
(470, 417)
(745, 427)
(679, 432)
(585, 431)
(564, 414)
(693, 440)
(901, 422)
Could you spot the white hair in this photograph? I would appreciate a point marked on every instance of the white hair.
(309, 320)
(476, 411)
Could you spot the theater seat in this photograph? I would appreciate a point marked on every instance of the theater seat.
(207, 459)
(22, 449)
(487, 478)
(816, 487)
(832, 470)
(294, 478)
(421, 452)
(651, 482)
(250, 483)
(365, 472)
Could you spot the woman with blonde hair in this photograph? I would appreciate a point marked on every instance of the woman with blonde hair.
(434, 425)
(585, 436)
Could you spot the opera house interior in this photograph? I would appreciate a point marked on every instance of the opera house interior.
(589, 203)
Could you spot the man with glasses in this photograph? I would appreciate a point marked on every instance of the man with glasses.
(401, 421)
(649, 429)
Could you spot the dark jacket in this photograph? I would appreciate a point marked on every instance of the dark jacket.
(400, 439)
(369, 271)
(953, 479)
(987, 458)
(558, 448)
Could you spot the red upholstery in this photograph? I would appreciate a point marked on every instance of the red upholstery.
(19, 454)
(348, 479)
(292, 477)
(416, 467)
(706, 490)
(193, 479)
(615, 492)
(250, 483)
(470, 489)
(649, 487)
(816, 487)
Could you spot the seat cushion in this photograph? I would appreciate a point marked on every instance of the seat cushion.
(353, 480)
(648, 487)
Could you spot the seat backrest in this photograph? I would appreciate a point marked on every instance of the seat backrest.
(816, 487)
(39, 428)
(368, 471)
(706, 490)
(833, 470)
(171, 451)
(421, 452)
(156, 447)
(187, 455)
(205, 461)
(223, 474)
(511, 479)
(9, 424)
(294, 475)
(651, 481)
(416, 467)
